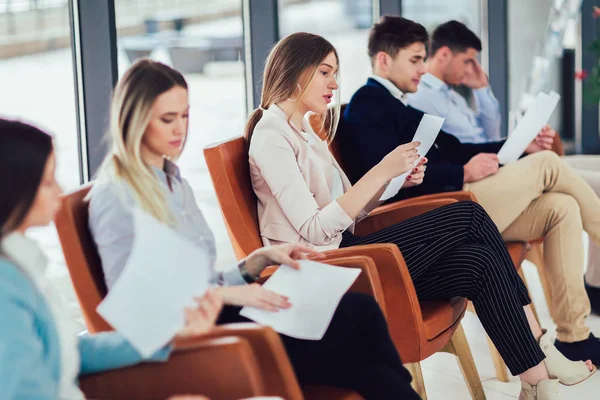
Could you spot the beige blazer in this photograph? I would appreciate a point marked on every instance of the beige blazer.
(293, 180)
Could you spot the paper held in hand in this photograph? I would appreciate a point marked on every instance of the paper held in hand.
(536, 116)
(426, 133)
(163, 274)
(314, 292)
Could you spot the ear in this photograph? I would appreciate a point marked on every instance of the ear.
(382, 60)
(444, 53)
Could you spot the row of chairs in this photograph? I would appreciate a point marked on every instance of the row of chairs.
(242, 360)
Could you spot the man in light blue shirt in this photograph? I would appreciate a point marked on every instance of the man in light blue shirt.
(452, 62)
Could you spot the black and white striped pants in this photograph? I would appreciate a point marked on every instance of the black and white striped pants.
(457, 250)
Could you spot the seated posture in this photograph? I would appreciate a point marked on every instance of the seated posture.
(40, 355)
(304, 197)
(452, 62)
(149, 126)
(537, 196)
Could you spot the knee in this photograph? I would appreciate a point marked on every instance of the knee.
(560, 206)
(547, 158)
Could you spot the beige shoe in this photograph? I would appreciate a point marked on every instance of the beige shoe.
(546, 389)
(558, 366)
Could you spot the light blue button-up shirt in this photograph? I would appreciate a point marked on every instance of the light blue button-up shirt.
(469, 126)
(111, 224)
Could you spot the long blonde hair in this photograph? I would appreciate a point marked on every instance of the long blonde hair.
(292, 64)
(130, 114)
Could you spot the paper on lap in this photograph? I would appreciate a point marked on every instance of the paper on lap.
(314, 292)
(162, 275)
(426, 133)
(536, 116)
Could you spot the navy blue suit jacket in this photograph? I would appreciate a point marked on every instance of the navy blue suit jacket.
(375, 123)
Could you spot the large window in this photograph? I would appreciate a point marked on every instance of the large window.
(36, 77)
(345, 23)
(431, 13)
(204, 41)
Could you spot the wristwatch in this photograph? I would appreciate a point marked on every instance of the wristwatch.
(245, 274)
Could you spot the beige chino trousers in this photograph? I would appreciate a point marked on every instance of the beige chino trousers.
(541, 196)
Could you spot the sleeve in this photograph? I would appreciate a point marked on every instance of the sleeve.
(488, 113)
(111, 225)
(276, 162)
(460, 153)
(25, 373)
(429, 101)
(109, 350)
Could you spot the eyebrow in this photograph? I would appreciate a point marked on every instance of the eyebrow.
(174, 113)
(327, 65)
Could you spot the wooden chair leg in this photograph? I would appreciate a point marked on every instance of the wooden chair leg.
(459, 346)
(417, 383)
(499, 366)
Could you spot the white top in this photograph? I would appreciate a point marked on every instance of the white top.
(28, 256)
(337, 187)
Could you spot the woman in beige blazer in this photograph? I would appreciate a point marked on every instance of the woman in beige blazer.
(304, 197)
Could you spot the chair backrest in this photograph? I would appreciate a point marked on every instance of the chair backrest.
(81, 256)
(228, 166)
(334, 146)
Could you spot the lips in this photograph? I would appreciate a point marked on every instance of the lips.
(175, 143)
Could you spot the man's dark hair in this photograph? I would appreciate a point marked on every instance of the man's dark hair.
(392, 33)
(456, 36)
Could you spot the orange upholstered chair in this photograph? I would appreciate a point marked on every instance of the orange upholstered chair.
(417, 329)
(231, 362)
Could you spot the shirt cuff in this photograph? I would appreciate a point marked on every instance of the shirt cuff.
(335, 220)
(485, 97)
(233, 277)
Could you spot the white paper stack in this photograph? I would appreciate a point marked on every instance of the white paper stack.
(314, 292)
(426, 133)
(529, 126)
(165, 271)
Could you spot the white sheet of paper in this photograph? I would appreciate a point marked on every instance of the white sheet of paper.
(162, 275)
(426, 133)
(314, 292)
(536, 116)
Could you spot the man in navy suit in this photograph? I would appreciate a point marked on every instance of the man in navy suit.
(537, 196)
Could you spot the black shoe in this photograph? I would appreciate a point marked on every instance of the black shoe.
(594, 296)
(588, 349)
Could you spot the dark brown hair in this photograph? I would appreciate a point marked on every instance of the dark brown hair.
(393, 33)
(24, 151)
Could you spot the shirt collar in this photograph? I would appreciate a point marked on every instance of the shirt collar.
(434, 82)
(26, 254)
(393, 89)
(170, 169)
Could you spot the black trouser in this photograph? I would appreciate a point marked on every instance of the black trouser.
(457, 250)
(356, 352)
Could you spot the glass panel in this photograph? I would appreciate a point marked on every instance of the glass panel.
(36, 77)
(431, 13)
(204, 41)
(345, 23)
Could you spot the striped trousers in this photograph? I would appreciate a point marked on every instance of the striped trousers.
(457, 250)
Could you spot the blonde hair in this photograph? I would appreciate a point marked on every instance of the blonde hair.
(293, 63)
(130, 114)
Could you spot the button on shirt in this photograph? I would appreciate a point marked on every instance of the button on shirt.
(469, 126)
(111, 223)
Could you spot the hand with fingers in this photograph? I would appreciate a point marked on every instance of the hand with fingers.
(481, 166)
(416, 175)
(275, 255)
(543, 141)
(400, 160)
(253, 295)
(202, 319)
(475, 78)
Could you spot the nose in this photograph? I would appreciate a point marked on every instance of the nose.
(180, 127)
(422, 69)
(333, 85)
